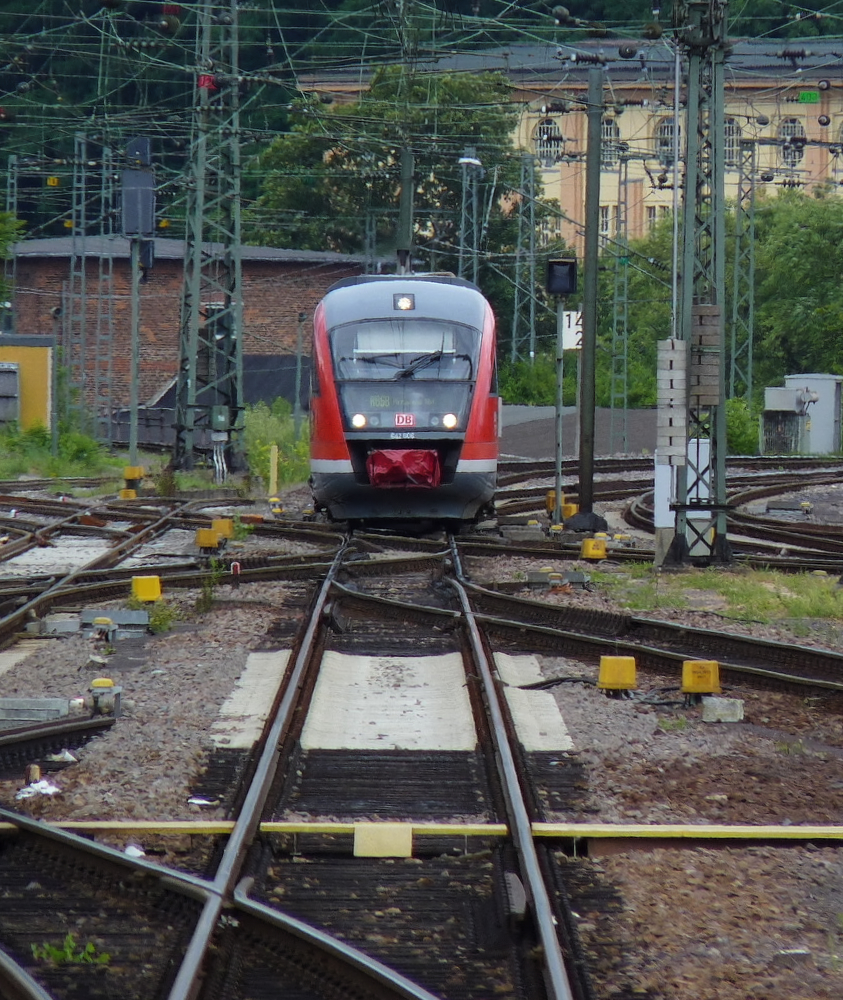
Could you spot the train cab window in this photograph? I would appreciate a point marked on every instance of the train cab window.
(405, 349)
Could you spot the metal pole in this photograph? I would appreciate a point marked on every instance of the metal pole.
(560, 322)
(463, 214)
(475, 222)
(405, 213)
(590, 265)
(133, 375)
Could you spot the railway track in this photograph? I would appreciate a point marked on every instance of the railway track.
(249, 923)
(489, 879)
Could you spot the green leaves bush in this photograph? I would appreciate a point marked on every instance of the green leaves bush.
(267, 425)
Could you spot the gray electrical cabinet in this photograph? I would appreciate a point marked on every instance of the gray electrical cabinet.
(822, 431)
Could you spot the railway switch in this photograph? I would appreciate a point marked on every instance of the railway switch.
(550, 501)
(224, 526)
(103, 629)
(700, 677)
(617, 674)
(146, 588)
(105, 696)
(593, 548)
(132, 476)
(208, 540)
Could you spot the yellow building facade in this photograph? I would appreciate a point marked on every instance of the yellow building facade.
(784, 115)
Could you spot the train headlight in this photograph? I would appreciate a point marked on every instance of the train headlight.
(450, 421)
(358, 421)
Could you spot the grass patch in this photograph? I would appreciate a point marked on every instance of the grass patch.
(162, 616)
(743, 594)
(676, 725)
(69, 953)
(30, 453)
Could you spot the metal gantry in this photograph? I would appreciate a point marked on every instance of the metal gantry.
(700, 526)
(209, 387)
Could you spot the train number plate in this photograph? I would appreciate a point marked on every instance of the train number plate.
(405, 419)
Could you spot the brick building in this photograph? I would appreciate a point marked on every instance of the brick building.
(278, 285)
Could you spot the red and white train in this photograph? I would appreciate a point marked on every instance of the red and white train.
(404, 409)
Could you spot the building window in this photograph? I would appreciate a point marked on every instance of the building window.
(607, 214)
(792, 138)
(732, 145)
(665, 140)
(549, 232)
(610, 135)
(651, 216)
(548, 142)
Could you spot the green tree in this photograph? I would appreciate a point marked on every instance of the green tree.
(799, 291)
(338, 171)
(339, 165)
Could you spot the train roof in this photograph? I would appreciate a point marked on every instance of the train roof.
(434, 296)
(440, 278)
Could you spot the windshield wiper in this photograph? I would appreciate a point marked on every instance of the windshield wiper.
(422, 362)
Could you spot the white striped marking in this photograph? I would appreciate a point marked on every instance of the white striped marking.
(328, 466)
(477, 465)
(536, 715)
(390, 703)
(242, 716)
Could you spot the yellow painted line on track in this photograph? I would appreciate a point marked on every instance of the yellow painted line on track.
(668, 831)
(563, 831)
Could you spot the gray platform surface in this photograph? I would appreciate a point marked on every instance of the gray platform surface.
(530, 432)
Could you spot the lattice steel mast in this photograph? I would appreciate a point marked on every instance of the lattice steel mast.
(700, 528)
(524, 292)
(620, 314)
(743, 291)
(209, 388)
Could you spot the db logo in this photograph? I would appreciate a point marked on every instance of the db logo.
(405, 420)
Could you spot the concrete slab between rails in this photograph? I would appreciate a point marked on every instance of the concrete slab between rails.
(14, 654)
(241, 719)
(390, 703)
(535, 714)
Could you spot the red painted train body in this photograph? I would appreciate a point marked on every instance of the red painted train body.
(404, 409)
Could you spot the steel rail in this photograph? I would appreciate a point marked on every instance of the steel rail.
(187, 982)
(64, 585)
(16, 983)
(559, 987)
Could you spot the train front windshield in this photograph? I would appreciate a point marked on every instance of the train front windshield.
(405, 348)
(424, 370)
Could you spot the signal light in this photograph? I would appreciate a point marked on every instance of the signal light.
(562, 276)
